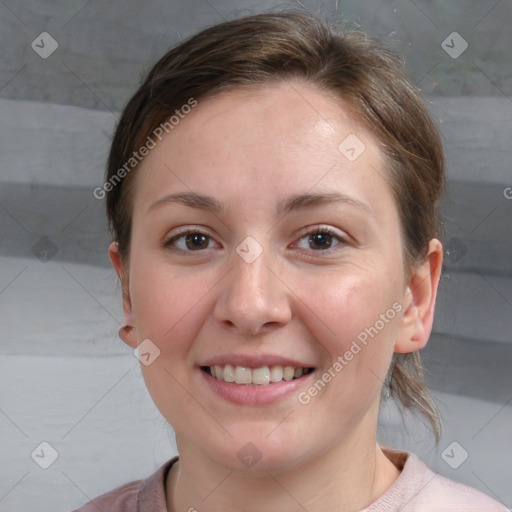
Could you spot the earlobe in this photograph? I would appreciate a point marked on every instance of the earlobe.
(128, 335)
(419, 301)
(127, 330)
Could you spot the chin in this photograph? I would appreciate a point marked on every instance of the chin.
(257, 455)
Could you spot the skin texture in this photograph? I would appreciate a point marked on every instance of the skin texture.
(251, 150)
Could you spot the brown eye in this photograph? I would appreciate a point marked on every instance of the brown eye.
(320, 239)
(191, 241)
(196, 241)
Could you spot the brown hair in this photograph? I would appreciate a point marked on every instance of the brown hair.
(349, 64)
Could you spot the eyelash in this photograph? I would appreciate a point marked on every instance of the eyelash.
(327, 231)
(168, 244)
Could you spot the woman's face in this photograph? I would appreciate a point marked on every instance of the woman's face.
(293, 258)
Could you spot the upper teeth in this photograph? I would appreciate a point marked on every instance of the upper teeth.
(259, 376)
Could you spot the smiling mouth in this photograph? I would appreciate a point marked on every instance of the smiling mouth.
(262, 376)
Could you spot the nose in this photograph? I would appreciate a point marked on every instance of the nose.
(252, 300)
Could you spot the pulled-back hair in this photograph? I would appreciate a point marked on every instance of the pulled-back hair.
(348, 64)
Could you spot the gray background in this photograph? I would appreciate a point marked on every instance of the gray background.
(65, 377)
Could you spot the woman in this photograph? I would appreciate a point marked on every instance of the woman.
(273, 190)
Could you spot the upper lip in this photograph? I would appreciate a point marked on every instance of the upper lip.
(253, 361)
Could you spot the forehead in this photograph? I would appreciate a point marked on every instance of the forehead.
(277, 114)
(276, 140)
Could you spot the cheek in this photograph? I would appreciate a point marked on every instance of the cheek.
(359, 347)
(169, 308)
(344, 305)
(355, 320)
(167, 304)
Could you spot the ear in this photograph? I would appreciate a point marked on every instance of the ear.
(127, 330)
(420, 300)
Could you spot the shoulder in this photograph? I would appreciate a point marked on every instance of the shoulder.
(445, 494)
(147, 494)
(419, 489)
(121, 498)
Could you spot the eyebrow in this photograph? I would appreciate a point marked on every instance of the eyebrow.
(303, 201)
(293, 203)
(193, 200)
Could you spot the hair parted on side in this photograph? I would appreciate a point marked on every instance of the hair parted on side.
(348, 64)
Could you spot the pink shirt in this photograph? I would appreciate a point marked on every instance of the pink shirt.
(417, 489)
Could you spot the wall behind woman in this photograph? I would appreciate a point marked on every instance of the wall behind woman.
(69, 383)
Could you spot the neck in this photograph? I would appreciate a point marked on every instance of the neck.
(347, 478)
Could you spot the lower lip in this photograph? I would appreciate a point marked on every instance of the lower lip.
(248, 394)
